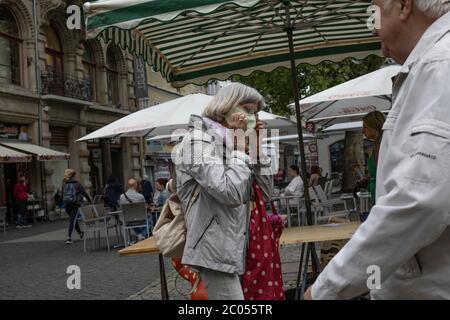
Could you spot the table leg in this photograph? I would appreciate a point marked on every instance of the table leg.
(162, 276)
(305, 274)
(288, 213)
(317, 268)
(302, 255)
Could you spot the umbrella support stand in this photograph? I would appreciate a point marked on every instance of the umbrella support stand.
(311, 250)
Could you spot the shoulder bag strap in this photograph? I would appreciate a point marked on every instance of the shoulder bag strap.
(128, 199)
(193, 198)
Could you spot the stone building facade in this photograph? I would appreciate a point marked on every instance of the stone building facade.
(84, 85)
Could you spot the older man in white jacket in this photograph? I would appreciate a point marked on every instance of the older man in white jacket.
(407, 234)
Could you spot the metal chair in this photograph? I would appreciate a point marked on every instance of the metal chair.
(327, 188)
(91, 222)
(110, 218)
(98, 199)
(3, 211)
(287, 203)
(324, 208)
(133, 215)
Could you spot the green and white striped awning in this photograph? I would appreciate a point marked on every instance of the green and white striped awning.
(193, 41)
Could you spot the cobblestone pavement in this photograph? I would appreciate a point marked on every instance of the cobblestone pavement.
(34, 262)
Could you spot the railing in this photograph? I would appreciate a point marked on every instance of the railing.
(60, 84)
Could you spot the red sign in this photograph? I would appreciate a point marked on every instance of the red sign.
(310, 126)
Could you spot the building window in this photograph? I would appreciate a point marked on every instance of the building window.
(10, 43)
(337, 156)
(53, 51)
(89, 68)
(112, 73)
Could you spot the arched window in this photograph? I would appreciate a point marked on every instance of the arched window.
(112, 77)
(53, 51)
(89, 68)
(10, 43)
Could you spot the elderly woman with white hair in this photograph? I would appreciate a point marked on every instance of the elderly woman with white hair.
(222, 172)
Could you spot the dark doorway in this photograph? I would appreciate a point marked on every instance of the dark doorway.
(10, 174)
(117, 167)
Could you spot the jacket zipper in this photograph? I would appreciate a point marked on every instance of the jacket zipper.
(203, 233)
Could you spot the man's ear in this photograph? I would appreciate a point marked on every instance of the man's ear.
(406, 9)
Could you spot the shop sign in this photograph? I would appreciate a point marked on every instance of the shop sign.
(154, 146)
(140, 78)
(311, 126)
(162, 171)
(13, 131)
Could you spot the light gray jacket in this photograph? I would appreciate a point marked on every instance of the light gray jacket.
(217, 223)
(405, 242)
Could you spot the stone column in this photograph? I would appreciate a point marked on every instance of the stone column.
(131, 158)
(36, 174)
(47, 166)
(79, 155)
(79, 70)
(123, 91)
(102, 86)
(106, 159)
(70, 63)
(131, 101)
(30, 74)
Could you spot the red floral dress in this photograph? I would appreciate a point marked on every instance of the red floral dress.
(263, 279)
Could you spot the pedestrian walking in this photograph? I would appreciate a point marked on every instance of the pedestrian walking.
(21, 191)
(72, 194)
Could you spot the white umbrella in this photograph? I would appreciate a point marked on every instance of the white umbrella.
(291, 137)
(164, 118)
(351, 100)
(348, 126)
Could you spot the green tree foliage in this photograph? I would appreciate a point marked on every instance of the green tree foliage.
(276, 86)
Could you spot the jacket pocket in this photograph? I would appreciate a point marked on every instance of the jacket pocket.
(203, 232)
(432, 126)
(426, 152)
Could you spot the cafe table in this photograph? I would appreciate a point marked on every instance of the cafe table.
(297, 235)
(311, 234)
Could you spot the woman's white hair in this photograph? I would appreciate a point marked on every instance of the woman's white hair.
(235, 94)
(432, 8)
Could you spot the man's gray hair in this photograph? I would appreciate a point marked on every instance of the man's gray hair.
(230, 96)
(432, 8)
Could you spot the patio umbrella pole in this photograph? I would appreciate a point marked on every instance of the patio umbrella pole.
(299, 127)
(311, 246)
